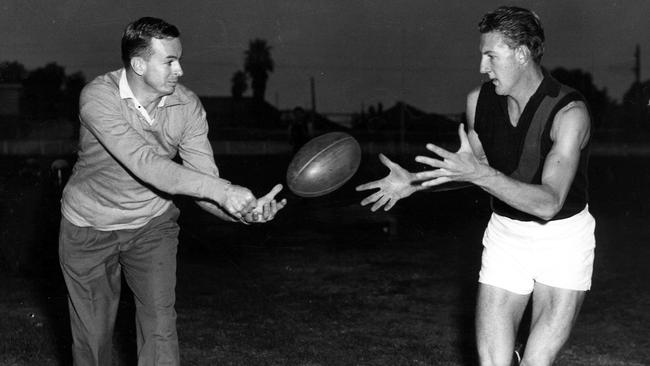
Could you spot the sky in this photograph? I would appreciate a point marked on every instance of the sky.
(358, 52)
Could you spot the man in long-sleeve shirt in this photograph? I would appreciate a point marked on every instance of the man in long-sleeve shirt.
(117, 210)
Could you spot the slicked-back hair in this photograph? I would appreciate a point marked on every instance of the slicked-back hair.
(136, 40)
(519, 26)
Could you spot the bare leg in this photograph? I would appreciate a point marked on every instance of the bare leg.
(554, 313)
(498, 314)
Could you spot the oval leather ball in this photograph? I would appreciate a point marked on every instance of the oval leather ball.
(323, 164)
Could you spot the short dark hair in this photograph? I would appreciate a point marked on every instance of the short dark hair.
(519, 26)
(136, 39)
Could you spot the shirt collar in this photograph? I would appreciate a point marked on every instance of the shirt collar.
(549, 85)
(127, 93)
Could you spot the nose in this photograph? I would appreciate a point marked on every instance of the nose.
(483, 67)
(178, 70)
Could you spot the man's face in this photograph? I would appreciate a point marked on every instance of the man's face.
(499, 62)
(163, 68)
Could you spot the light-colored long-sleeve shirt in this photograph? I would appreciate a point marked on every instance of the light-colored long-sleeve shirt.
(125, 175)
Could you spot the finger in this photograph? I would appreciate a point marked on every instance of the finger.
(430, 174)
(280, 205)
(273, 209)
(239, 215)
(235, 213)
(248, 207)
(439, 151)
(270, 210)
(380, 203)
(436, 163)
(390, 204)
(436, 182)
(386, 161)
(274, 191)
(464, 141)
(251, 202)
(372, 198)
(367, 186)
(266, 209)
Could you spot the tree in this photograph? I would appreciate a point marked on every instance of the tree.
(72, 89)
(43, 92)
(258, 64)
(239, 84)
(12, 72)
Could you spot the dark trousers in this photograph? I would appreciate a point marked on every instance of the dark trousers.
(92, 262)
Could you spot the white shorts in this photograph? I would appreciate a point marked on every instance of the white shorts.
(558, 253)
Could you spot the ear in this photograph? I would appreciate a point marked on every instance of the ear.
(138, 65)
(523, 54)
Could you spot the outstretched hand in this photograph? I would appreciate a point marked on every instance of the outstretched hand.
(461, 166)
(267, 207)
(398, 184)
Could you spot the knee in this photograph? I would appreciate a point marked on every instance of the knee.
(161, 321)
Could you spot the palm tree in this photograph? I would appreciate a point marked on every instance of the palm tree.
(258, 64)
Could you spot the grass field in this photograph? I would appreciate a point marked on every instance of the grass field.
(329, 283)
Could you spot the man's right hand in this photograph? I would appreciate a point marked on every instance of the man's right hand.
(238, 201)
(398, 184)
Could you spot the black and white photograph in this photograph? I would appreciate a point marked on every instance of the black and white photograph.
(324, 183)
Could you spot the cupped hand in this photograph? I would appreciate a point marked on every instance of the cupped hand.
(267, 207)
(239, 201)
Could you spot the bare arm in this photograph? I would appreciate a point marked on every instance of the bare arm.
(569, 133)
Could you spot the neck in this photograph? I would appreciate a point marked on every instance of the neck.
(141, 91)
(527, 86)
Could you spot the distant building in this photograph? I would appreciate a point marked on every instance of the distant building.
(10, 99)
(412, 121)
(240, 118)
(242, 112)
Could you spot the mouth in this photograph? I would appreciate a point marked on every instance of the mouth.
(489, 78)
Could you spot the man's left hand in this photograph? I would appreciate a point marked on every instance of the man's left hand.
(461, 166)
(267, 207)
